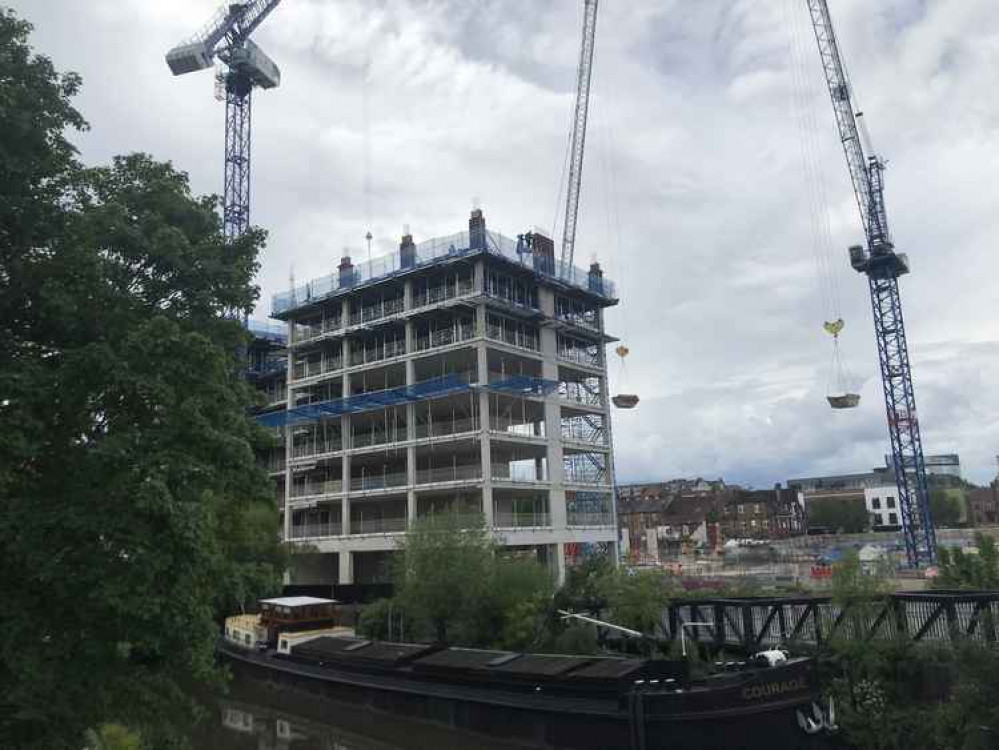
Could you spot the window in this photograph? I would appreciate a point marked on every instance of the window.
(742, 509)
(759, 508)
(876, 503)
(878, 519)
(890, 501)
(893, 519)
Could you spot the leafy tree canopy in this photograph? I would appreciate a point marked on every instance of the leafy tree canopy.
(961, 570)
(131, 509)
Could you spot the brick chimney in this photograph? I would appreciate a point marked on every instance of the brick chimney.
(477, 230)
(407, 250)
(596, 278)
(346, 269)
(544, 253)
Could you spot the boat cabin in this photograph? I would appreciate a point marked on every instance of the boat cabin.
(295, 613)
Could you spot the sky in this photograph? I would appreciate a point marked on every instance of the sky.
(714, 191)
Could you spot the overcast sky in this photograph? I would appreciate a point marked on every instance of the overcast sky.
(712, 166)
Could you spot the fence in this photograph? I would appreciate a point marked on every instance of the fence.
(756, 623)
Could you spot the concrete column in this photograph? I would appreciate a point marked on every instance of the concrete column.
(407, 295)
(485, 446)
(345, 562)
(345, 473)
(553, 422)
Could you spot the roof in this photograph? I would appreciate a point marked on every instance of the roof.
(297, 601)
(433, 252)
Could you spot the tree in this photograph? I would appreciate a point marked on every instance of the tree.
(959, 570)
(442, 571)
(840, 515)
(945, 507)
(131, 510)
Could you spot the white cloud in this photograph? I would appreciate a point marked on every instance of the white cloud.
(694, 152)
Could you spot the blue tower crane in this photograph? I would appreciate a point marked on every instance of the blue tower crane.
(882, 266)
(578, 138)
(226, 37)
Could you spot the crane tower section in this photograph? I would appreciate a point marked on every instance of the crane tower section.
(226, 37)
(578, 141)
(882, 266)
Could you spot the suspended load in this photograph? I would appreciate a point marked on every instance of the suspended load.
(624, 400)
(839, 395)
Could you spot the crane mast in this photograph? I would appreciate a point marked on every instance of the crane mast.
(227, 37)
(882, 266)
(578, 133)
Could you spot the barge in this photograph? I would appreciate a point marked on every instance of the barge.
(542, 700)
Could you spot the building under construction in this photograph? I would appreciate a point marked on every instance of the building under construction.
(464, 375)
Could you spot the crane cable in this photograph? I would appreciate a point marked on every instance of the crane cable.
(804, 110)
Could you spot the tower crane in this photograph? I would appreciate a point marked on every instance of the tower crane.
(882, 266)
(226, 37)
(578, 133)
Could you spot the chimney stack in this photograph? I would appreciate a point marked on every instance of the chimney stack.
(346, 269)
(544, 253)
(596, 278)
(407, 250)
(477, 230)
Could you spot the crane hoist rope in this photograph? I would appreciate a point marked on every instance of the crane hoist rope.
(841, 385)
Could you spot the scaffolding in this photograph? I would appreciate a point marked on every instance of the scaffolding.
(407, 394)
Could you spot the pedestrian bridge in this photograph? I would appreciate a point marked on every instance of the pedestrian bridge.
(756, 623)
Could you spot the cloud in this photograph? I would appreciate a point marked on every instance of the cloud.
(695, 197)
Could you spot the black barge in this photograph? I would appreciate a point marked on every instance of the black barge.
(556, 701)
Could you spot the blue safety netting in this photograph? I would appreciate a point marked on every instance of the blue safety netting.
(405, 394)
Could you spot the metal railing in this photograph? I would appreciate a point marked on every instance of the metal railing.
(445, 337)
(521, 520)
(521, 339)
(441, 293)
(526, 474)
(315, 530)
(449, 474)
(377, 311)
(316, 448)
(310, 369)
(444, 428)
(754, 623)
(377, 353)
(427, 253)
(316, 488)
(377, 525)
(378, 481)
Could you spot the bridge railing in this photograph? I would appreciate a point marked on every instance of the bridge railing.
(756, 623)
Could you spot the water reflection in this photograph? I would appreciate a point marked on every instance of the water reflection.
(255, 717)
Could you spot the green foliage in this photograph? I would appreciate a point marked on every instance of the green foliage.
(637, 599)
(131, 509)
(374, 621)
(841, 516)
(112, 737)
(452, 578)
(959, 570)
(945, 507)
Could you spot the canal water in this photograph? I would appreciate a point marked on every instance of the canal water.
(250, 716)
(253, 716)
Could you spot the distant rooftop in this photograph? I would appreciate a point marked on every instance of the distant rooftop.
(432, 252)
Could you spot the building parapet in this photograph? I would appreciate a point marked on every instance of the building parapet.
(431, 252)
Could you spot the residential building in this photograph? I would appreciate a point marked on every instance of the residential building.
(465, 375)
(882, 505)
